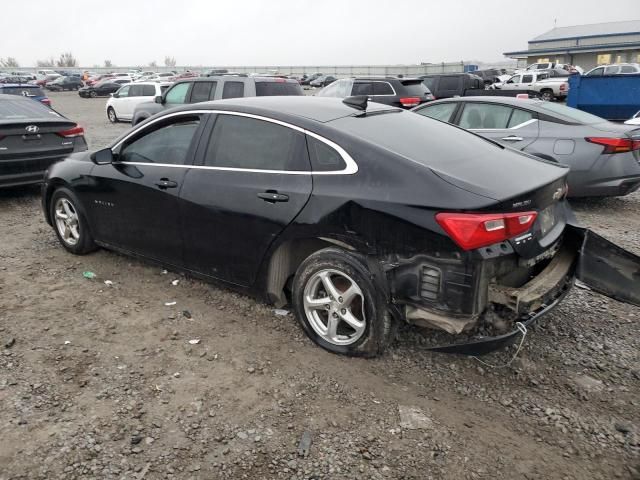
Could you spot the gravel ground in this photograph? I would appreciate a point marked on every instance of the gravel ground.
(101, 381)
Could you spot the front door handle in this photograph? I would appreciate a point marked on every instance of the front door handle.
(165, 183)
(272, 196)
(513, 138)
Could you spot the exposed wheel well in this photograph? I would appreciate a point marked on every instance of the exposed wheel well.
(286, 259)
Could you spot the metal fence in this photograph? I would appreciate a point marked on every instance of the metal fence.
(335, 70)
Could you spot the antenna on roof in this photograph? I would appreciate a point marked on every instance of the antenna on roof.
(555, 22)
(359, 101)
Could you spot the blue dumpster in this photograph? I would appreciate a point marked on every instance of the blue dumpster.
(614, 97)
(470, 68)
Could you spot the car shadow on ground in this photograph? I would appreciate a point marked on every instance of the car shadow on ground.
(24, 192)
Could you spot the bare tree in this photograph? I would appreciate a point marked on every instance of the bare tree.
(153, 64)
(9, 62)
(169, 61)
(108, 64)
(47, 62)
(67, 60)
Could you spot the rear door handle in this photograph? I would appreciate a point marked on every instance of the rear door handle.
(273, 196)
(513, 138)
(165, 183)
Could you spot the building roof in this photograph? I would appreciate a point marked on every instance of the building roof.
(591, 30)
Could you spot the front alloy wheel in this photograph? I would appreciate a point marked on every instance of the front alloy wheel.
(67, 222)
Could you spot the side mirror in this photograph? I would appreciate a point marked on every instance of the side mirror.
(114, 95)
(158, 99)
(102, 157)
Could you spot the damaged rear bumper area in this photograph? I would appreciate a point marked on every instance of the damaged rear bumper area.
(479, 304)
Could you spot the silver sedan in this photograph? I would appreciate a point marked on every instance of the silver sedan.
(604, 157)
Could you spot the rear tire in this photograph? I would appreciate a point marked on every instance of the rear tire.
(547, 95)
(93, 94)
(70, 223)
(338, 305)
(111, 115)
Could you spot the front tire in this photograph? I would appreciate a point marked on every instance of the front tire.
(338, 305)
(69, 222)
(93, 94)
(111, 115)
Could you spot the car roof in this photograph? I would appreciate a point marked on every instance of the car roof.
(21, 85)
(320, 109)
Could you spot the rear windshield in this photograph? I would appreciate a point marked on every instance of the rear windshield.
(20, 109)
(25, 91)
(415, 88)
(429, 82)
(571, 114)
(267, 89)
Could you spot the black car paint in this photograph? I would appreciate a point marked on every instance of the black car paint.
(100, 89)
(387, 214)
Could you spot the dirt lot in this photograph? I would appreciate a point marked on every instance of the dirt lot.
(101, 381)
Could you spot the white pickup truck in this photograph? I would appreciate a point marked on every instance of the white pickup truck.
(548, 87)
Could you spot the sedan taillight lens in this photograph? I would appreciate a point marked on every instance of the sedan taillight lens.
(76, 131)
(474, 230)
(615, 145)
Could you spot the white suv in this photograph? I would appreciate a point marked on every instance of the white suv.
(615, 69)
(122, 103)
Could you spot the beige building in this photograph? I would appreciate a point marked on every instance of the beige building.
(584, 45)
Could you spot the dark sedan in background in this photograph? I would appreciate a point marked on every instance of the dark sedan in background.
(33, 92)
(102, 89)
(359, 215)
(61, 84)
(603, 156)
(32, 137)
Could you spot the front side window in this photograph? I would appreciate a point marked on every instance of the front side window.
(123, 92)
(233, 90)
(596, 72)
(440, 111)
(249, 143)
(527, 78)
(484, 116)
(514, 79)
(164, 144)
(201, 92)
(178, 94)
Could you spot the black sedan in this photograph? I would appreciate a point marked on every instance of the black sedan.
(102, 89)
(32, 137)
(349, 212)
(61, 84)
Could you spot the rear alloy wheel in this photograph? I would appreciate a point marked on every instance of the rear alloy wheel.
(93, 94)
(547, 95)
(69, 223)
(338, 305)
(111, 115)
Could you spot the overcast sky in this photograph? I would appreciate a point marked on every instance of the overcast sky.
(293, 32)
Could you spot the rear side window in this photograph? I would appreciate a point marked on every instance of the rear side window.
(529, 78)
(201, 92)
(383, 88)
(266, 89)
(233, 90)
(449, 83)
(323, 157)
(440, 111)
(134, 91)
(628, 69)
(518, 117)
(362, 88)
(148, 91)
(414, 88)
(484, 116)
(430, 82)
(249, 143)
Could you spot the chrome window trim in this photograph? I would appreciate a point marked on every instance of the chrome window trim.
(351, 166)
(523, 124)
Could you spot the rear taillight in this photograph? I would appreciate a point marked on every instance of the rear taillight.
(410, 101)
(615, 145)
(563, 86)
(475, 230)
(76, 131)
(46, 101)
